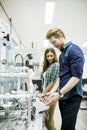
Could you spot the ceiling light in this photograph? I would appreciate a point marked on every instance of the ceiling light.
(49, 11)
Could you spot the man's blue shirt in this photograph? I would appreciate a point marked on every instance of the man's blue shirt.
(71, 65)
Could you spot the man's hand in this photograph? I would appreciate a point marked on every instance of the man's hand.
(50, 98)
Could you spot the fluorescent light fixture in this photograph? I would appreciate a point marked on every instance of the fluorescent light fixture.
(84, 44)
(50, 6)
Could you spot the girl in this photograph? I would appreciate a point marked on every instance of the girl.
(50, 74)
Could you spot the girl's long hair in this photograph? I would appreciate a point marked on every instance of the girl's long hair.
(46, 63)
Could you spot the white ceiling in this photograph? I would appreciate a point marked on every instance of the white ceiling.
(28, 19)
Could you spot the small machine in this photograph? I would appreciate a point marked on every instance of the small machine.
(7, 46)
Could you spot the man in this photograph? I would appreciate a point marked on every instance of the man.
(69, 92)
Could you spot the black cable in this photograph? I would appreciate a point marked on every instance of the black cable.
(21, 58)
(4, 11)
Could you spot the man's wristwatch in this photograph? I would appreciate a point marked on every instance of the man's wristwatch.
(61, 95)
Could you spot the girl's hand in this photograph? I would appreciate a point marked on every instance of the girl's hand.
(38, 95)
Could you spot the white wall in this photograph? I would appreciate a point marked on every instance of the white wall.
(85, 68)
(72, 17)
(28, 18)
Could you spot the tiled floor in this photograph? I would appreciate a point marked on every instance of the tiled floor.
(81, 120)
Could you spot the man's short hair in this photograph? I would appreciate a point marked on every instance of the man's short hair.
(56, 32)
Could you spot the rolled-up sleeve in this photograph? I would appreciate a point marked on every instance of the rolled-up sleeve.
(76, 59)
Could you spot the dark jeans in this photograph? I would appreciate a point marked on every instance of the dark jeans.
(69, 110)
